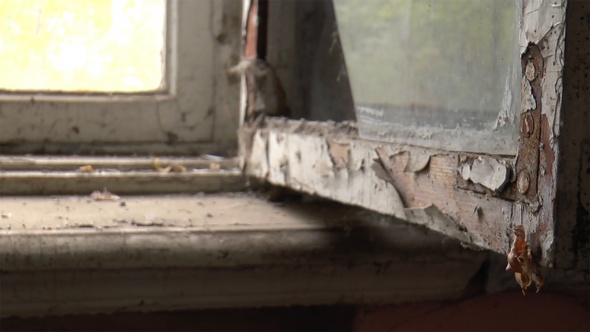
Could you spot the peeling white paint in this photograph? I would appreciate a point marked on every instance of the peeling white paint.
(304, 162)
(539, 18)
(417, 161)
(278, 164)
(355, 183)
(528, 101)
(540, 236)
(543, 24)
(488, 172)
(258, 161)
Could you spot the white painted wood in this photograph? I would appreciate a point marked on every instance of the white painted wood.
(62, 163)
(297, 155)
(191, 109)
(55, 175)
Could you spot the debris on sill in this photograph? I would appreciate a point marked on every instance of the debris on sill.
(174, 167)
(86, 169)
(147, 223)
(103, 195)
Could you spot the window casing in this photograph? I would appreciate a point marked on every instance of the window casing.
(438, 185)
(193, 114)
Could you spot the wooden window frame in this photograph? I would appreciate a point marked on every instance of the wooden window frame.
(189, 116)
(430, 187)
(86, 264)
(420, 185)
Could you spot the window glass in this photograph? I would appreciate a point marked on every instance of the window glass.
(82, 46)
(433, 70)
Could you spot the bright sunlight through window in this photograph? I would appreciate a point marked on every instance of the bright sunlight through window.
(82, 46)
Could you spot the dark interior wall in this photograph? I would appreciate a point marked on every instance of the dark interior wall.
(573, 182)
(304, 48)
(511, 311)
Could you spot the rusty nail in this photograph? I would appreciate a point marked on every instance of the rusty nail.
(527, 124)
(523, 182)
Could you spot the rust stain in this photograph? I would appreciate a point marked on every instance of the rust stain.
(527, 164)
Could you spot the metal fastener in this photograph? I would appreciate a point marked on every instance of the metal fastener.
(523, 182)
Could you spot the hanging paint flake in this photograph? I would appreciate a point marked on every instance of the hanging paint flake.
(521, 262)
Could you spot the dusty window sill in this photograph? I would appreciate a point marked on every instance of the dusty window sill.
(76, 175)
(70, 254)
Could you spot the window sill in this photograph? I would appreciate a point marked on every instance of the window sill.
(70, 255)
(58, 175)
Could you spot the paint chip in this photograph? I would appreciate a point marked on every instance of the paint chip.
(417, 161)
(528, 101)
(488, 172)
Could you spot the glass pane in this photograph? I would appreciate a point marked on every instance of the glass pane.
(447, 65)
(82, 46)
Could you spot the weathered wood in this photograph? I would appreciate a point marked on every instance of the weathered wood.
(135, 182)
(302, 157)
(182, 252)
(297, 154)
(69, 163)
(56, 175)
(543, 28)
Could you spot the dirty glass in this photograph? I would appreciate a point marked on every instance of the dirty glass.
(436, 73)
(82, 46)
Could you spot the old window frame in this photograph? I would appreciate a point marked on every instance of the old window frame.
(186, 117)
(426, 186)
(326, 159)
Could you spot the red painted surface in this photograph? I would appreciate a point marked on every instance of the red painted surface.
(496, 312)
(563, 311)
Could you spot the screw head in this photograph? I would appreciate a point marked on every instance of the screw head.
(527, 124)
(523, 182)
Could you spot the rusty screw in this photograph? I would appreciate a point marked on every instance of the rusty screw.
(527, 124)
(523, 182)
